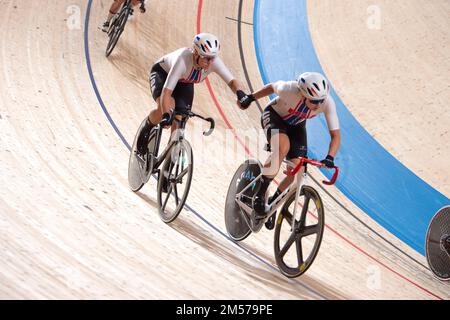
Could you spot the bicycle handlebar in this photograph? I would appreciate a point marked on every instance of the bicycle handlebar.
(316, 164)
(212, 123)
(191, 114)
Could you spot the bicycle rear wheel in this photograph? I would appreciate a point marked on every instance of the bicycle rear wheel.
(235, 223)
(140, 169)
(175, 181)
(296, 249)
(117, 29)
(135, 165)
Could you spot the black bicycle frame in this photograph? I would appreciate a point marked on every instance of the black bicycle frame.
(181, 125)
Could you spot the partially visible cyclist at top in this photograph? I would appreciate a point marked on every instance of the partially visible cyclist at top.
(115, 7)
(173, 76)
(285, 118)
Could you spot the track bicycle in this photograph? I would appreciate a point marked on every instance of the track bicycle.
(118, 24)
(174, 178)
(301, 219)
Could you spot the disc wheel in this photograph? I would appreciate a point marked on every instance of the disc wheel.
(136, 166)
(437, 244)
(235, 223)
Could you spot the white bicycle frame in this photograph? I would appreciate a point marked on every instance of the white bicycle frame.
(300, 181)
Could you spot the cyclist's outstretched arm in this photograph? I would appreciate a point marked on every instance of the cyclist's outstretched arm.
(265, 91)
(235, 85)
(245, 100)
(333, 126)
(335, 142)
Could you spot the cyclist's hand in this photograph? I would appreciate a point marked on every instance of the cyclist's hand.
(328, 161)
(244, 100)
(166, 120)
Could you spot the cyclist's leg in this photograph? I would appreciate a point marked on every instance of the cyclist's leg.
(155, 115)
(184, 97)
(115, 7)
(157, 79)
(276, 132)
(299, 148)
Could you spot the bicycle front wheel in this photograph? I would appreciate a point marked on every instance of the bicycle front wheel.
(296, 248)
(116, 30)
(175, 181)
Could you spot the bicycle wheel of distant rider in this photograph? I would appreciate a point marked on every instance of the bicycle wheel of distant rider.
(296, 250)
(437, 246)
(235, 223)
(175, 177)
(117, 29)
(137, 175)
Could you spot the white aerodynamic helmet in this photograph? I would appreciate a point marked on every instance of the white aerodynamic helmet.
(207, 45)
(313, 85)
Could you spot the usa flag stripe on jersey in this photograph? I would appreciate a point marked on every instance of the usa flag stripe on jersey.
(300, 113)
(194, 77)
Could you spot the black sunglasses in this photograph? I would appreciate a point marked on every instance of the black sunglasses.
(316, 102)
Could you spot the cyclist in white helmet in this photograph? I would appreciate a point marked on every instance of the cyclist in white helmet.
(173, 76)
(114, 9)
(285, 118)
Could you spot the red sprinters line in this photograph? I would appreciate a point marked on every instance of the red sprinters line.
(213, 96)
(374, 259)
(208, 84)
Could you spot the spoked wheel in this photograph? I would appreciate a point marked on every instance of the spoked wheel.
(235, 223)
(296, 249)
(438, 244)
(116, 30)
(174, 181)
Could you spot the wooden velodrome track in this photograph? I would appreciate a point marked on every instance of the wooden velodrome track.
(70, 228)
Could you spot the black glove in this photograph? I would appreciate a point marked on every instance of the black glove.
(244, 99)
(166, 119)
(328, 161)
